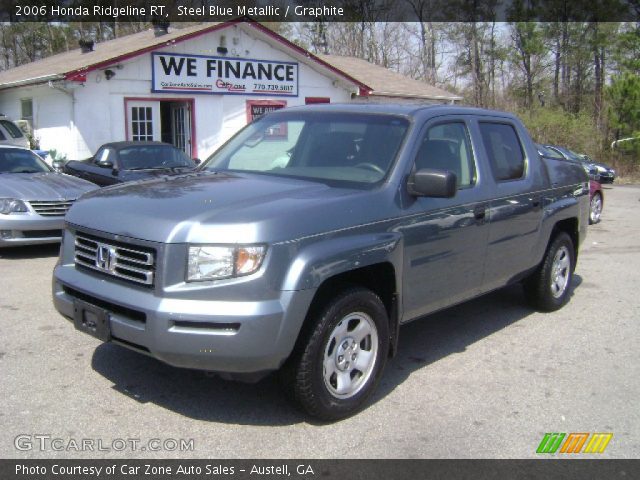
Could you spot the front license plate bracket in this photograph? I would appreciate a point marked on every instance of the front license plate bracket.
(92, 320)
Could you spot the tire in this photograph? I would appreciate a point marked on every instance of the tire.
(335, 369)
(547, 289)
(595, 208)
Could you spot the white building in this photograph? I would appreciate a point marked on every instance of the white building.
(193, 87)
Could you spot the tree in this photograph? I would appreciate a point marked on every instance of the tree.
(624, 105)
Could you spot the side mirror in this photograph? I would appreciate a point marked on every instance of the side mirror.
(429, 182)
(105, 164)
(197, 161)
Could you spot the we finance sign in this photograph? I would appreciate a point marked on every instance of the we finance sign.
(178, 73)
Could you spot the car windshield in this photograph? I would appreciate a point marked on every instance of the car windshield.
(21, 161)
(324, 146)
(142, 157)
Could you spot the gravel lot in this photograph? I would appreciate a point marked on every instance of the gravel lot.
(485, 379)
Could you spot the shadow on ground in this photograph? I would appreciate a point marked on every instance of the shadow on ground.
(30, 251)
(209, 398)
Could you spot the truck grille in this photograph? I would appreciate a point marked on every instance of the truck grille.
(132, 263)
(52, 208)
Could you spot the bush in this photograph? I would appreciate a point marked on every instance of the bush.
(553, 126)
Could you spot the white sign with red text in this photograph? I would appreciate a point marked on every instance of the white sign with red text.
(178, 73)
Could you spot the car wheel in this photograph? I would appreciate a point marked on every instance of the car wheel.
(339, 364)
(595, 210)
(547, 289)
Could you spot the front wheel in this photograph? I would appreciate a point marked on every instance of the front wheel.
(547, 289)
(338, 366)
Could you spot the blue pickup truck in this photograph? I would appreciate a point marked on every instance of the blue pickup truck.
(307, 240)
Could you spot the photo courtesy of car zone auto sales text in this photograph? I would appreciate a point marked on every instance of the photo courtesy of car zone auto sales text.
(383, 239)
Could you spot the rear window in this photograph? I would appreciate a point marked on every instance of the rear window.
(12, 128)
(504, 150)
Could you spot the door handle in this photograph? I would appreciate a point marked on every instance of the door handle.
(480, 212)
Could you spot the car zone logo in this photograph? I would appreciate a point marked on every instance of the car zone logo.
(574, 442)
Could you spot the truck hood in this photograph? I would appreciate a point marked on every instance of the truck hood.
(43, 186)
(206, 207)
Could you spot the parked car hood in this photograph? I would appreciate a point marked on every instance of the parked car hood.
(43, 186)
(204, 207)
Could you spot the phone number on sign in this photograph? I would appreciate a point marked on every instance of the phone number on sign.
(261, 87)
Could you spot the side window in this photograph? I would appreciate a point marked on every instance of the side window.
(104, 155)
(447, 147)
(504, 150)
(98, 155)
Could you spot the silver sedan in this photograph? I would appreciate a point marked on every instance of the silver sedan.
(33, 198)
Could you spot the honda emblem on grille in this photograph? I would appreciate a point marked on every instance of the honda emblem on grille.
(106, 258)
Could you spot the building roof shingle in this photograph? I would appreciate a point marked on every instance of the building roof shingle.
(58, 66)
(385, 82)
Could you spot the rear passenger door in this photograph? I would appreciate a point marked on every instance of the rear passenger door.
(515, 210)
(445, 239)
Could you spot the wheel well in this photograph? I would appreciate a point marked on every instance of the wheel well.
(379, 278)
(570, 227)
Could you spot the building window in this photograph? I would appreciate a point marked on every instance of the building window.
(141, 124)
(26, 109)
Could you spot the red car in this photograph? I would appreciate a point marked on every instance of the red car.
(597, 201)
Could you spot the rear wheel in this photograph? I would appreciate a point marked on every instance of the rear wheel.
(547, 289)
(335, 370)
(595, 210)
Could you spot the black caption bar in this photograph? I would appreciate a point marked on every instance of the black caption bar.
(317, 469)
(319, 10)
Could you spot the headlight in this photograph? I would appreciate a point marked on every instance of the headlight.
(215, 262)
(11, 205)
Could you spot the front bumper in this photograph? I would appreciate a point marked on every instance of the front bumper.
(606, 177)
(239, 337)
(29, 229)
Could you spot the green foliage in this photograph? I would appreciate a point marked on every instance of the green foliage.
(624, 104)
(627, 52)
(554, 126)
(57, 156)
(34, 141)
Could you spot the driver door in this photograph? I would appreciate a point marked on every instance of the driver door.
(445, 239)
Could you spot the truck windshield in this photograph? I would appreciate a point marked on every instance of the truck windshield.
(350, 147)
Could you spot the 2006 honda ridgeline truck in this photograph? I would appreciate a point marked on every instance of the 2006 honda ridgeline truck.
(306, 240)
